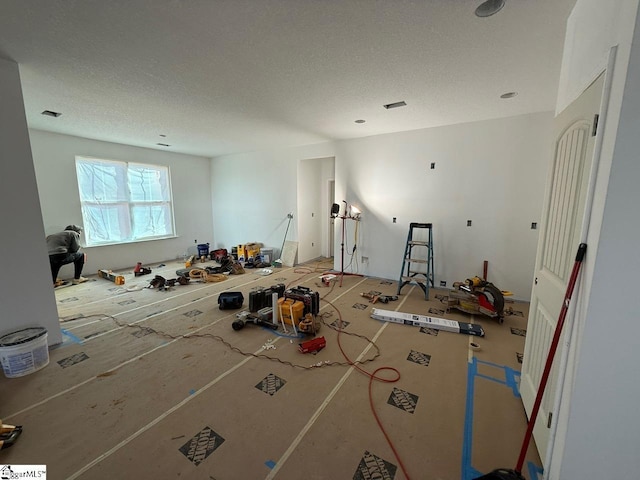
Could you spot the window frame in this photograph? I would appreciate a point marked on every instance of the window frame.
(128, 204)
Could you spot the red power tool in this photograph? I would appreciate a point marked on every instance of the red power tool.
(312, 346)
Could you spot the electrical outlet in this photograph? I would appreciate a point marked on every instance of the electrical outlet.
(365, 259)
(443, 283)
(433, 165)
(534, 225)
(312, 244)
(468, 223)
(394, 219)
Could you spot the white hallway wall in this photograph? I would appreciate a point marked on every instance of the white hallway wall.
(54, 159)
(598, 435)
(26, 295)
(254, 192)
(490, 172)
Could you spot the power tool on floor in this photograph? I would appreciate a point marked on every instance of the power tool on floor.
(476, 295)
(262, 318)
(378, 297)
(109, 275)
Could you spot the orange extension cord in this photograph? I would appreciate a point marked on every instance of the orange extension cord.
(372, 376)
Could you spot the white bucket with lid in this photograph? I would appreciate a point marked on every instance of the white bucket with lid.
(24, 351)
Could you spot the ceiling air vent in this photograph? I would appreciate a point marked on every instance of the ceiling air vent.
(395, 105)
(163, 144)
(51, 113)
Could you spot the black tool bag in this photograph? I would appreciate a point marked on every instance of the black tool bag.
(230, 300)
(307, 296)
(262, 298)
(502, 474)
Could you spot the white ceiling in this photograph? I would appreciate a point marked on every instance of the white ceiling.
(227, 76)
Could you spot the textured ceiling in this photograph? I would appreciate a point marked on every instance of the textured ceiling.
(227, 76)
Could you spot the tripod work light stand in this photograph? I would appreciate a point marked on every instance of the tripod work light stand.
(349, 214)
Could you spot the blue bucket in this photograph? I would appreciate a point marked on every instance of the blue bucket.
(203, 250)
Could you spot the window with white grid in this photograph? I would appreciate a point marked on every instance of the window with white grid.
(124, 201)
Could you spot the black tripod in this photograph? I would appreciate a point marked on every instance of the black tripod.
(335, 210)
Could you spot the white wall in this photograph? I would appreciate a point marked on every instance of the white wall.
(26, 293)
(254, 192)
(598, 433)
(490, 172)
(54, 159)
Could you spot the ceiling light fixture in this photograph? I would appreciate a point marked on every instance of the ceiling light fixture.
(51, 113)
(488, 8)
(509, 95)
(395, 105)
(163, 135)
(360, 121)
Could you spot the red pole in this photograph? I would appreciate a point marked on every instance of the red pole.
(552, 351)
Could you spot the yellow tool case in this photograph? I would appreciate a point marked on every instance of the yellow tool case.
(290, 310)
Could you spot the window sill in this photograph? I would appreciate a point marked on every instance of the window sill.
(128, 242)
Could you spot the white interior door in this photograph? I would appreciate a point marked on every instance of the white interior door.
(562, 219)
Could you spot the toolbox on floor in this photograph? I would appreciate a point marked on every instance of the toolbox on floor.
(307, 296)
(230, 300)
(262, 297)
(290, 310)
(219, 254)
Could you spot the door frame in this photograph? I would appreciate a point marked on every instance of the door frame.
(331, 195)
(574, 320)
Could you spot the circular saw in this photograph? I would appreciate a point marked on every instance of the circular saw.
(476, 295)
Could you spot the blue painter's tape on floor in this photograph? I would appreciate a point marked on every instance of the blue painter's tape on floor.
(535, 471)
(468, 472)
(70, 336)
(510, 381)
(284, 335)
(270, 464)
(192, 391)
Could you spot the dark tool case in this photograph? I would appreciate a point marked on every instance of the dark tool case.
(230, 300)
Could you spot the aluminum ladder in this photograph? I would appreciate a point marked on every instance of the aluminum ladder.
(414, 253)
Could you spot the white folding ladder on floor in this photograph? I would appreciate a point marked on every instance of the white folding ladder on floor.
(419, 253)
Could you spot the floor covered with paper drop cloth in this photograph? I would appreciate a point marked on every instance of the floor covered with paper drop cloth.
(156, 384)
